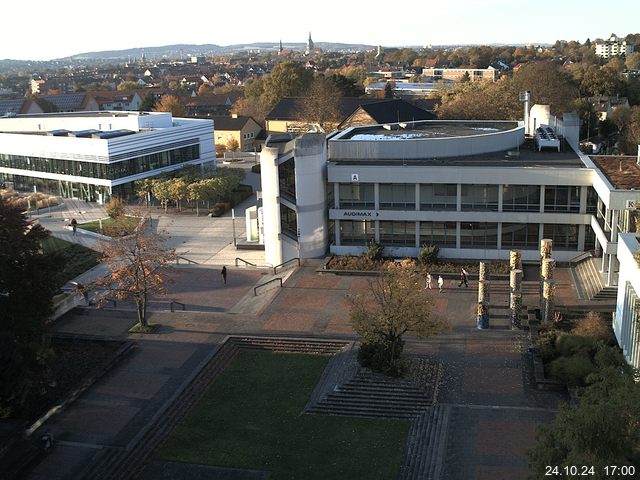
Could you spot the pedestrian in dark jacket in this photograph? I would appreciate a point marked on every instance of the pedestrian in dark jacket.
(463, 278)
(224, 274)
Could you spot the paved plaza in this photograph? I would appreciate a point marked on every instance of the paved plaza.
(487, 383)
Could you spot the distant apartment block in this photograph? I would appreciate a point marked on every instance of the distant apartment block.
(457, 74)
(614, 47)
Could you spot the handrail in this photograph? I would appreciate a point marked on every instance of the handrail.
(188, 260)
(275, 269)
(177, 303)
(255, 289)
(582, 256)
(245, 262)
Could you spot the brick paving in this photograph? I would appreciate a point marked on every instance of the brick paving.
(486, 384)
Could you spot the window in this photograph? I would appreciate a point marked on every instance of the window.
(357, 195)
(442, 234)
(561, 199)
(438, 196)
(478, 235)
(520, 198)
(480, 197)
(356, 232)
(288, 222)
(520, 235)
(565, 237)
(398, 196)
(287, 175)
(398, 233)
(592, 200)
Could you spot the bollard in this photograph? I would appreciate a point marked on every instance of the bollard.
(482, 320)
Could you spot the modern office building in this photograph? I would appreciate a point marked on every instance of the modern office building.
(476, 189)
(93, 155)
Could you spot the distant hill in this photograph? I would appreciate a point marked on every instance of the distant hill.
(175, 51)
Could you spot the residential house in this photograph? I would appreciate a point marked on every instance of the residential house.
(244, 130)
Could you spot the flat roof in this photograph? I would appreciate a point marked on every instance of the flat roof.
(427, 130)
(622, 171)
(525, 156)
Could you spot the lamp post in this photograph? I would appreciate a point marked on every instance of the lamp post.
(233, 225)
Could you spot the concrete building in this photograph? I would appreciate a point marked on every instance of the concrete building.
(626, 326)
(294, 197)
(244, 130)
(457, 74)
(614, 47)
(93, 155)
(475, 189)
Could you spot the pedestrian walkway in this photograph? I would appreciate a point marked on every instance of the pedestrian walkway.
(492, 408)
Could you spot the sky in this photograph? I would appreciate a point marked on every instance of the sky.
(40, 30)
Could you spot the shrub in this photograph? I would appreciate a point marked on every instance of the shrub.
(219, 209)
(568, 345)
(428, 254)
(572, 370)
(593, 326)
(115, 207)
(374, 251)
(377, 357)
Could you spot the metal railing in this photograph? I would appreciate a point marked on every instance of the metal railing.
(188, 260)
(174, 302)
(245, 262)
(255, 289)
(275, 269)
(582, 256)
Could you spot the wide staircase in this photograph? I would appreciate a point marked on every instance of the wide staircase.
(591, 283)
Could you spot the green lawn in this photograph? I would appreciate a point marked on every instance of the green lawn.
(129, 222)
(73, 259)
(251, 418)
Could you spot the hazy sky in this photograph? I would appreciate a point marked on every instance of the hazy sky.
(42, 30)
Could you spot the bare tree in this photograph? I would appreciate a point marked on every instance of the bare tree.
(321, 104)
(139, 267)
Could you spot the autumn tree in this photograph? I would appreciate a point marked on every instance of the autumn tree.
(233, 145)
(321, 104)
(26, 291)
(170, 103)
(148, 103)
(126, 86)
(393, 306)
(287, 79)
(138, 268)
(601, 430)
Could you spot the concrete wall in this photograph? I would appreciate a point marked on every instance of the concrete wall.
(625, 324)
(311, 194)
(426, 148)
(271, 205)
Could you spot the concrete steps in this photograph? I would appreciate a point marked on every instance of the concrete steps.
(590, 282)
(370, 394)
(426, 444)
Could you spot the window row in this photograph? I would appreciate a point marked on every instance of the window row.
(515, 198)
(472, 234)
(107, 171)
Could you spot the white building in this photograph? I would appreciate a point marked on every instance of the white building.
(93, 155)
(626, 325)
(613, 47)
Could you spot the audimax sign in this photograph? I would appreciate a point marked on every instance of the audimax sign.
(360, 214)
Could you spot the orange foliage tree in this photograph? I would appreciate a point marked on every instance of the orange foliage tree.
(139, 267)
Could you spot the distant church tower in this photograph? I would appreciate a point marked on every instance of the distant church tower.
(309, 50)
(280, 49)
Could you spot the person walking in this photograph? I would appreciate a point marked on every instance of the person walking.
(224, 274)
(427, 281)
(74, 225)
(463, 278)
(440, 282)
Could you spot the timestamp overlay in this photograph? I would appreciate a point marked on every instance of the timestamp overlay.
(575, 471)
